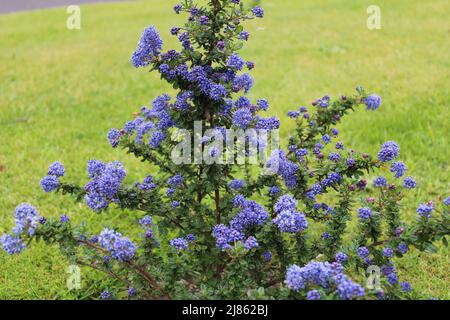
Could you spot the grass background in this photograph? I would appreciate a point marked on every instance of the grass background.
(61, 90)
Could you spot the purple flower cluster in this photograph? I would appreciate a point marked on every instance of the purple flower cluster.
(149, 46)
(105, 295)
(51, 181)
(179, 244)
(236, 184)
(364, 213)
(250, 243)
(323, 274)
(244, 35)
(114, 136)
(56, 169)
(323, 102)
(399, 168)
(406, 286)
(389, 151)
(313, 295)
(335, 157)
(242, 118)
(12, 244)
(314, 191)
(409, 183)
(380, 182)
(288, 219)
(235, 62)
(105, 182)
(258, 12)
(146, 222)
(274, 190)
(252, 214)
(267, 256)
(26, 222)
(155, 121)
(402, 248)
(175, 181)
(425, 210)
(120, 248)
(332, 178)
(341, 257)
(446, 201)
(225, 235)
(372, 102)
(363, 252)
(147, 184)
(279, 163)
(388, 252)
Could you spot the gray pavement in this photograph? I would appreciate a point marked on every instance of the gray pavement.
(8, 6)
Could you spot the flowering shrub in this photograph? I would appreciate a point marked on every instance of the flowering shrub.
(230, 231)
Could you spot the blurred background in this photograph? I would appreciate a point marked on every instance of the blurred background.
(62, 89)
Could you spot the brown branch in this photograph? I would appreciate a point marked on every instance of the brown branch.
(218, 210)
(112, 274)
(140, 270)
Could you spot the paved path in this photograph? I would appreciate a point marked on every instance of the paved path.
(7, 6)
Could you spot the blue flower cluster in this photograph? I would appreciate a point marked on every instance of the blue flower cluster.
(388, 252)
(179, 244)
(372, 102)
(149, 46)
(251, 214)
(105, 182)
(389, 151)
(273, 191)
(250, 243)
(120, 248)
(425, 210)
(267, 256)
(105, 295)
(399, 168)
(314, 191)
(406, 286)
(402, 248)
(225, 235)
(12, 243)
(332, 178)
(26, 222)
(146, 222)
(154, 122)
(147, 184)
(279, 163)
(409, 183)
(363, 252)
(235, 62)
(447, 201)
(236, 184)
(51, 181)
(175, 181)
(288, 219)
(364, 213)
(325, 275)
(313, 295)
(258, 12)
(335, 157)
(341, 257)
(242, 118)
(380, 182)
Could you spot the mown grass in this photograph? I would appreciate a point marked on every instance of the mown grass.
(61, 90)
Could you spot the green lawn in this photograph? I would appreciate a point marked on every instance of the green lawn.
(61, 91)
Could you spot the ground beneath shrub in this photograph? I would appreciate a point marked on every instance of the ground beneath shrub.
(25, 5)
